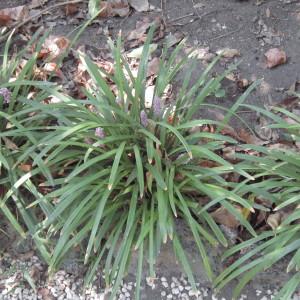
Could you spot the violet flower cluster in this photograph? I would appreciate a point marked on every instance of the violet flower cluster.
(6, 94)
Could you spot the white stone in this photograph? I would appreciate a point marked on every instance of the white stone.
(163, 294)
(170, 296)
(175, 291)
(165, 284)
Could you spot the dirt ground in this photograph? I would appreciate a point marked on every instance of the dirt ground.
(252, 27)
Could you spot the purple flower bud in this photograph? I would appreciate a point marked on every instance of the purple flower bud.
(5, 93)
(144, 118)
(99, 132)
(157, 108)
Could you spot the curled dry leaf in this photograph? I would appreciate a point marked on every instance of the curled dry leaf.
(54, 46)
(275, 57)
(228, 52)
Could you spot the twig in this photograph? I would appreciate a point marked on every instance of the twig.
(4, 37)
(226, 34)
(199, 17)
(182, 17)
(163, 7)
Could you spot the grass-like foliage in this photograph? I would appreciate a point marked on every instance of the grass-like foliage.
(17, 134)
(113, 172)
(124, 171)
(277, 181)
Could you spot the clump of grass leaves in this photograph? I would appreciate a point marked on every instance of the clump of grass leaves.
(16, 136)
(277, 181)
(129, 171)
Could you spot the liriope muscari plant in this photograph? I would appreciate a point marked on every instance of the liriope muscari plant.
(128, 169)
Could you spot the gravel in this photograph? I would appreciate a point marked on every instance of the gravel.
(26, 278)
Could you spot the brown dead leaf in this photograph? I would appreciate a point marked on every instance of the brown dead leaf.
(275, 57)
(224, 217)
(5, 20)
(9, 144)
(71, 9)
(139, 5)
(228, 52)
(18, 13)
(55, 46)
(243, 83)
(114, 8)
(289, 102)
(201, 53)
(139, 34)
(153, 67)
(37, 3)
(45, 294)
(25, 167)
(274, 220)
(248, 138)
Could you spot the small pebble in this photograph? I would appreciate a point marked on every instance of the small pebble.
(175, 291)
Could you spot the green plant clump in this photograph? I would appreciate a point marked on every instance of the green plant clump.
(278, 181)
(120, 169)
(17, 136)
(130, 169)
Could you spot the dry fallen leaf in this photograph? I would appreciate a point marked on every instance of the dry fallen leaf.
(9, 144)
(275, 57)
(139, 5)
(141, 27)
(224, 217)
(201, 53)
(37, 3)
(228, 52)
(153, 67)
(114, 8)
(274, 220)
(5, 20)
(137, 53)
(71, 9)
(149, 94)
(54, 46)
(18, 13)
(25, 167)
